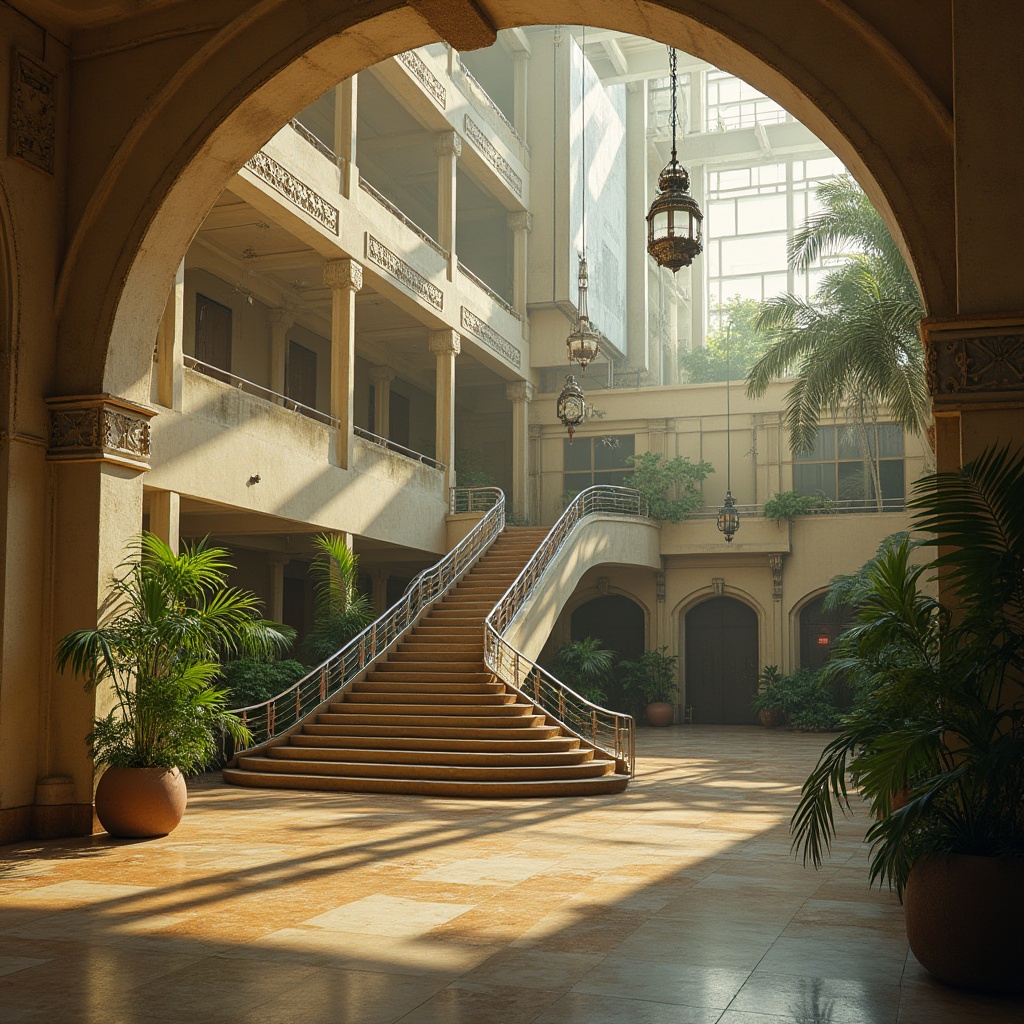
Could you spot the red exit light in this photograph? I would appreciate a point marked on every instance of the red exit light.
(823, 640)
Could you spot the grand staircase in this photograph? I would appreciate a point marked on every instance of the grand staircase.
(432, 720)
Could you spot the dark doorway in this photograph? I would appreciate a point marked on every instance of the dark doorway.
(213, 334)
(721, 662)
(819, 630)
(301, 383)
(616, 621)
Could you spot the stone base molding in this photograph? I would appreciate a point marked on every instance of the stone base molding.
(974, 360)
(98, 428)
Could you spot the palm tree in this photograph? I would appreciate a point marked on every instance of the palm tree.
(585, 666)
(854, 346)
(169, 620)
(342, 612)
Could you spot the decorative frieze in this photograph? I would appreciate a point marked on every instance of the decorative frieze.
(491, 338)
(519, 391)
(279, 178)
(98, 428)
(775, 562)
(476, 135)
(32, 119)
(659, 586)
(973, 363)
(377, 252)
(412, 60)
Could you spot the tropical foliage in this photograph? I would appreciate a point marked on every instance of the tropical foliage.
(854, 346)
(730, 348)
(940, 715)
(788, 504)
(799, 699)
(252, 681)
(672, 487)
(584, 666)
(169, 620)
(651, 678)
(341, 612)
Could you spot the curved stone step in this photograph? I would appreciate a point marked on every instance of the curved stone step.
(365, 698)
(419, 686)
(531, 733)
(385, 741)
(401, 755)
(504, 717)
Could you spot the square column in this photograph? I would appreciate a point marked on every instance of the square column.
(346, 117)
(382, 376)
(636, 227)
(165, 517)
(520, 224)
(445, 345)
(520, 393)
(170, 359)
(345, 278)
(281, 322)
(448, 148)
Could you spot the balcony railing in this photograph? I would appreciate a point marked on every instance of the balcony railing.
(298, 127)
(407, 221)
(849, 506)
(504, 303)
(483, 99)
(258, 391)
(609, 731)
(393, 446)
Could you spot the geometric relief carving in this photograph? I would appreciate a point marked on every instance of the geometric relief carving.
(491, 338)
(377, 252)
(98, 428)
(775, 561)
(976, 364)
(419, 70)
(476, 135)
(293, 189)
(33, 112)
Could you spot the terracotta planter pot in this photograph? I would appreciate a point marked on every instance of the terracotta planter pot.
(771, 719)
(138, 803)
(659, 713)
(964, 920)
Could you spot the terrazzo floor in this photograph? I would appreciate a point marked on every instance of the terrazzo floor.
(677, 902)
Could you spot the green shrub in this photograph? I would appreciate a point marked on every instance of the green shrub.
(584, 666)
(672, 488)
(802, 697)
(249, 681)
(651, 678)
(787, 504)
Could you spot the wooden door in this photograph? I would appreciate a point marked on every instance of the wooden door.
(300, 385)
(213, 334)
(721, 662)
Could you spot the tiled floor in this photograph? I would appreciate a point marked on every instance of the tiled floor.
(676, 902)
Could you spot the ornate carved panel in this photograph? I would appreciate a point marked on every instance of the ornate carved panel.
(295, 191)
(491, 338)
(98, 428)
(974, 364)
(411, 59)
(775, 561)
(377, 252)
(33, 112)
(476, 135)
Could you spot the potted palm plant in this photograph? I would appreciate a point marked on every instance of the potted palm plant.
(585, 667)
(169, 619)
(651, 681)
(940, 721)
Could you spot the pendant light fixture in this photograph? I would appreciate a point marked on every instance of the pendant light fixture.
(674, 222)
(572, 405)
(728, 515)
(583, 340)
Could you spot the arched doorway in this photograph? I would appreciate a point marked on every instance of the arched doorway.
(820, 627)
(616, 620)
(721, 662)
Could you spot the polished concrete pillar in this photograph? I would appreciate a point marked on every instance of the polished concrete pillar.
(520, 224)
(165, 517)
(345, 278)
(519, 393)
(448, 148)
(636, 227)
(382, 376)
(281, 322)
(445, 345)
(170, 360)
(346, 110)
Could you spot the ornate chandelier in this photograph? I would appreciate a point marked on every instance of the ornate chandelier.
(674, 222)
(572, 405)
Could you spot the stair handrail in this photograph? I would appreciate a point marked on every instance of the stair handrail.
(606, 730)
(272, 717)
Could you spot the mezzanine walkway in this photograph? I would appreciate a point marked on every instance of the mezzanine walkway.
(676, 902)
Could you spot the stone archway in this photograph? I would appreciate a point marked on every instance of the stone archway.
(210, 102)
(721, 636)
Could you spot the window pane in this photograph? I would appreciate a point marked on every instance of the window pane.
(722, 218)
(761, 213)
(612, 452)
(851, 442)
(855, 482)
(824, 446)
(890, 440)
(577, 455)
(890, 473)
(754, 255)
(815, 478)
(576, 482)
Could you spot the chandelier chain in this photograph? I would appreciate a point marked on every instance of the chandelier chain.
(672, 76)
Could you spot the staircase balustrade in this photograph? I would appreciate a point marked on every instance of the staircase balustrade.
(609, 731)
(279, 714)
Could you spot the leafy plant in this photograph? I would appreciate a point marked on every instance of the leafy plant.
(251, 681)
(787, 504)
(730, 348)
(672, 487)
(799, 697)
(651, 678)
(169, 619)
(584, 666)
(341, 612)
(941, 713)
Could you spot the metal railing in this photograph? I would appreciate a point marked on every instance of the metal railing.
(608, 731)
(279, 714)
(484, 286)
(258, 391)
(473, 499)
(845, 506)
(483, 98)
(407, 221)
(300, 129)
(393, 446)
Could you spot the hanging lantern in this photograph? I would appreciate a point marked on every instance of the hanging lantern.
(582, 343)
(572, 405)
(728, 518)
(674, 222)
